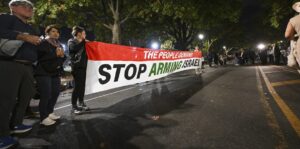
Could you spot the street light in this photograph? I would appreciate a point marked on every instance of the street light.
(155, 45)
(201, 36)
(261, 46)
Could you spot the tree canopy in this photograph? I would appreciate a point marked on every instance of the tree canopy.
(176, 22)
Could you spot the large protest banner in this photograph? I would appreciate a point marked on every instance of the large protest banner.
(111, 66)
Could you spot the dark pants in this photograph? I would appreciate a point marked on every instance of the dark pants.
(49, 87)
(284, 59)
(271, 59)
(16, 90)
(277, 59)
(210, 62)
(78, 92)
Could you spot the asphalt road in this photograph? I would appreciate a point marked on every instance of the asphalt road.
(233, 107)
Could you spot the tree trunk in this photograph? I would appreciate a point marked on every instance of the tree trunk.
(116, 27)
(183, 33)
(116, 30)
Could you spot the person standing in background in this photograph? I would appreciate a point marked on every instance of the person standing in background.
(277, 54)
(210, 56)
(270, 53)
(79, 64)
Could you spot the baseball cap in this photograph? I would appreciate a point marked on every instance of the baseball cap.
(20, 2)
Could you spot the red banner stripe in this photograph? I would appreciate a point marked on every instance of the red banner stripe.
(104, 51)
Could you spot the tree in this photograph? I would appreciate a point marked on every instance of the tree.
(93, 14)
(4, 6)
(176, 20)
(274, 16)
(279, 12)
(183, 20)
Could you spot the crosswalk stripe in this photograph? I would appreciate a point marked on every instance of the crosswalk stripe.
(289, 114)
(282, 83)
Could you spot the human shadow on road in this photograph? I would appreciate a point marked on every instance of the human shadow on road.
(120, 126)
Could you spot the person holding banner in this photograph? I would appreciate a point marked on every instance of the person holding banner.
(79, 64)
(49, 67)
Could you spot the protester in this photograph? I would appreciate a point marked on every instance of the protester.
(210, 56)
(16, 77)
(270, 54)
(263, 56)
(47, 73)
(252, 56)
(237, 59)
(223, 57)
(216, 58)
(292, 29)
(242, 57)
(277, 54)
(283, 53)
(79, 64)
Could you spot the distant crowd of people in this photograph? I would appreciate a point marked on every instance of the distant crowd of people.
(274, 54)
(36, 66)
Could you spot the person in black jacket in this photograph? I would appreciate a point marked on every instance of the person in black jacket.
(79, 64)
(47, 73)
(16, 77)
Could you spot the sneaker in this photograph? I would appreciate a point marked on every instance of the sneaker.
(21, 128)
(76, 110)
(53, 116)
(48, 122)
(6, 142)
(83, 106)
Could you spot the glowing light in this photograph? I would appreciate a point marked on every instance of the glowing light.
(201, 36)
(261, 46)
(64, 46)
(155, 45)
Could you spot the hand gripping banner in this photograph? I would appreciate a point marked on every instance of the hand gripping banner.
(112, 66)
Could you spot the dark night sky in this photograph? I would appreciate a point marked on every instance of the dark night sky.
(252, 22)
